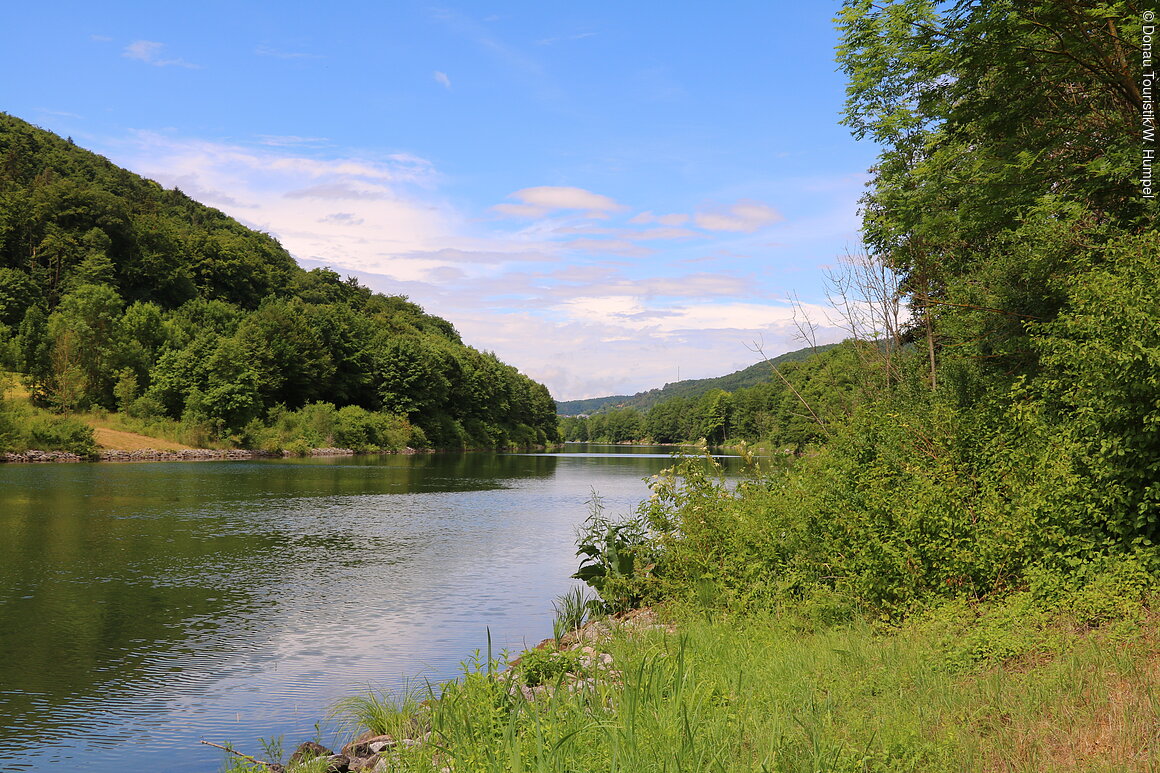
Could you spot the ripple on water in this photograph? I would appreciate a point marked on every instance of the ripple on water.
(166, 603)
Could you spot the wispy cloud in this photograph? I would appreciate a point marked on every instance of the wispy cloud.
(658, 234)
(614, 246)
(279, 54)
(344, 218)
(290, 140)
(541, 200)
(59, 113)
(561, 38)
(378, 208)
(442, 79)
(150, 52)
(523, 67)
(645, 218)
(745, 216)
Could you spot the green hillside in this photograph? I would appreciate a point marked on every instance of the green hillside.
(119, 295)
(691, 389)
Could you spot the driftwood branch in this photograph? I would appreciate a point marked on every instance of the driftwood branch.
(255, 760)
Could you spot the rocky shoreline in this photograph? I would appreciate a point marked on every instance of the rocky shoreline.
(187, 455)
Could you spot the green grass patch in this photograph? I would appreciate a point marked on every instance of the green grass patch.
(784, 694)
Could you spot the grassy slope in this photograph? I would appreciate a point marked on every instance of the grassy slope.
(119, 440)
(112, 432)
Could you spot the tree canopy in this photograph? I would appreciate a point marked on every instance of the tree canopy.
(116, 293)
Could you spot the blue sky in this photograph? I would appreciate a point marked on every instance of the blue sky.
(601, 193)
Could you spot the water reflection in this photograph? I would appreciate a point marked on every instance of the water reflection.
(146, 606)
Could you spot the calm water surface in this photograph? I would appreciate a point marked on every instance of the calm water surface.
(144, 607)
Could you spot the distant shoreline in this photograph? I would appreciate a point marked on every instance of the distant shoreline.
(185, 455)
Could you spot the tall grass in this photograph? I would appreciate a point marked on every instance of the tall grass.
(764, 693)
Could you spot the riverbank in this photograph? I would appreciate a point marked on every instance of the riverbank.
(183, 455)
(993, 687)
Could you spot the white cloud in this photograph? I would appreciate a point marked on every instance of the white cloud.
(149, 51)
(520, 210)
(442, 79)
(746, 216)
(645, 218)
(290, 140)
(626, 346)
(543, 199)
(494, 257)
(384, 205)
(342, 217)
(615, 246)
(554, 297)
(657, 234)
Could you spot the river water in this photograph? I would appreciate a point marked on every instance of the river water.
(145, 607)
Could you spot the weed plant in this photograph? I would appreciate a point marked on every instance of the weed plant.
(572, 610)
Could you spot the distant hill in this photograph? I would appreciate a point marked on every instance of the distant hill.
(757, 373)
(119, 295)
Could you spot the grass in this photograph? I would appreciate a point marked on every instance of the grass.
(1059, 676)
(769, 693)
(125, 433)
(110, 430)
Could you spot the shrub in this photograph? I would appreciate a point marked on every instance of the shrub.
(60, 433)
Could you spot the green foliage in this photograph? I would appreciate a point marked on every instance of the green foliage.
(61, 433)
(1021, 439)
(810, 389)
(1100, 383)
(689, 389)
(398, 714)
(23, 427)
(619, 557)
(571, 610)
(778, 693)
(547, 666)
(321, 425)
(130, 297)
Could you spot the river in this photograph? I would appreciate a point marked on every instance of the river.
(145, 607)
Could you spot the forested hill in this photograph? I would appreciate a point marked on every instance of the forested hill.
(691, 389)
(116, 293)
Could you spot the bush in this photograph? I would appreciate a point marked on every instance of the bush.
(60, 433)
(545, 666)
(619, 558)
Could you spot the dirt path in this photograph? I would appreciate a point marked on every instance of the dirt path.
(115, 439)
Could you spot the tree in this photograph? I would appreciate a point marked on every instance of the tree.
(989, 112)
(85, 337)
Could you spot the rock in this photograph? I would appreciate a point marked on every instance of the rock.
(338, 763)
(309, 751)
(367, 744)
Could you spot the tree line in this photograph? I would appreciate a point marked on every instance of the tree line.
(790, 409)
